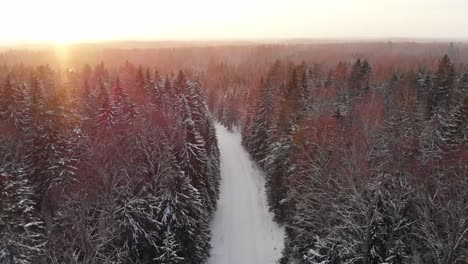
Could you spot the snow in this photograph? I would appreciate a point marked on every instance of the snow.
(243, 230)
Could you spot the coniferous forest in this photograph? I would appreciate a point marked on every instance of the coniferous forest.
(101, 166)
(111, 155)
(361, 170)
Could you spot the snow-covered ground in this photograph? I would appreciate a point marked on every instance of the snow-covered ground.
(243, 229)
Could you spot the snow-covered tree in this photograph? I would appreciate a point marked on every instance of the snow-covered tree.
(194, 161)
(125, 110)
(6, 100)
(183, 212)
(98, 181)
(15, 104)
(455, 129)
(22, 231)
(136, 218)
(441, 94)
(106, 117)
(170, 249)
(443, 225)
(263, 121)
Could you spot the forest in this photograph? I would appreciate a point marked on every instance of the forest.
(110, 154)
(362, 171)
(102, 166)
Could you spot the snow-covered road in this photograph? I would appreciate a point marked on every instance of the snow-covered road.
(243, 229)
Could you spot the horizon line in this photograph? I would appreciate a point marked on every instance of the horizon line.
(247, 40)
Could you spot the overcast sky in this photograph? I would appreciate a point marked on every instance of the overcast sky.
(89, 20)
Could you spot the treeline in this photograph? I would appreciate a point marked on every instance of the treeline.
(105, 166)
(230, 72)
(363, 169)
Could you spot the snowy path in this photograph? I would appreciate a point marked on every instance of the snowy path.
(243, 229)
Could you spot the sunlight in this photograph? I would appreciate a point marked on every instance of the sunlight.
(61, 51)
(246, 131)
(62, 21)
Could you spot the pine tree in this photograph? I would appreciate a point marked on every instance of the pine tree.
(359, 77)
(463, 83)
(22, 231)
(15, 105)
(169, 97)
(192, 154)
(278, 161)
(158, 80)
(135, 215)
(183, 212)
(37, 97)
(441, 95)
(197, 103)
(180, 83)
(355, 75)
(392, 221)
(194, 160)
(425, 87)
(396, 145)
(455, 130)
(74, 235)
(263, 122)
(55, 147)
(289, 113)
(370, 225)
(64, 158)
(156, 91)
(148, 79)
(443, 216)
(21, 111)
(305, 91)
(278, 166)
(125, 110)
(6, 98)
(214, 174)
(170, 249)
(88, 107)
(86, 89)
(106, 117)
(203, 124)
(141, 82)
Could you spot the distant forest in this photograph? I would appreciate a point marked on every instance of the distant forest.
(109, 155)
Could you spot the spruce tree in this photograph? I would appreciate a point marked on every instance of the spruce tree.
(22, 231)
(263, 122)
(15, 105)
(169, 97)
(463, 83)
(37, 97)
(194, 160)
(441, 95)
(170, 249)
(141, 82)
(125, 110)
(355, 76)
(183, 212)
(136, 215)
(106, 117)
(455, 130)
(6, 99)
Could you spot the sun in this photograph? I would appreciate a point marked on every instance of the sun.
(61, 51)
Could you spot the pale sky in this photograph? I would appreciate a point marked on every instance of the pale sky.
(94, 20)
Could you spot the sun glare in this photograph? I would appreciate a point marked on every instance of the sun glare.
(61, 51)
